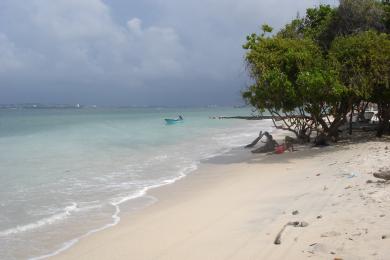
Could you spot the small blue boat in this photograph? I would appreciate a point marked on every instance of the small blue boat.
(171, 121)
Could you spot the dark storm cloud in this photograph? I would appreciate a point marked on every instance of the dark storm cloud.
(166, 52)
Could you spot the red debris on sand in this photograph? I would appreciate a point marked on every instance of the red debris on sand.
(280, 149)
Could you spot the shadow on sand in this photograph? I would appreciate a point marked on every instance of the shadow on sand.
(242, 155)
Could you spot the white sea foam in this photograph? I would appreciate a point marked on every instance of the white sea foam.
(42, 222)
(115, 217)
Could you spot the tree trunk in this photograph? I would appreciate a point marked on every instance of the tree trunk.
(269, 146)
(255, 141)
(350, 122)
(362, 109)
(384, 117)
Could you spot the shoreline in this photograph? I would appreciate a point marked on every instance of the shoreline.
(146, 193)
(55, 236)
(235, 200)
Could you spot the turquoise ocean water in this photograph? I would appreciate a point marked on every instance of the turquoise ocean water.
(63, 167)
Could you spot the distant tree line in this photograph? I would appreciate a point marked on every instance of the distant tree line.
(321, 67)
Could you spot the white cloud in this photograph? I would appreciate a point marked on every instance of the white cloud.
(135, 25)
(79, 39)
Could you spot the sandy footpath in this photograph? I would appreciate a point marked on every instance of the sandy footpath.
(234, 206)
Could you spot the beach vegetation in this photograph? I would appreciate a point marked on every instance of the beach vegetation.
(320, 68)
(362, 62)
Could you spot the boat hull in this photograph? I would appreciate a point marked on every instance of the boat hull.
(172, 121)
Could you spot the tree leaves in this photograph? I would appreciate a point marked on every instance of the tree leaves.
(322, 64)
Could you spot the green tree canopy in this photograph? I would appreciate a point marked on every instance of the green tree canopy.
(292, 77)
(322, 65)
(362, 62)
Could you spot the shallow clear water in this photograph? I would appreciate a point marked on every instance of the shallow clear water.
(63, 167)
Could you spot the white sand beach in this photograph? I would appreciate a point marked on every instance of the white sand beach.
(234, 206)
(194, 130)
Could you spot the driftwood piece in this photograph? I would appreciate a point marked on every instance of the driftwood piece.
(255, 141)
(269, 146)
(383, 175)
(278, 239)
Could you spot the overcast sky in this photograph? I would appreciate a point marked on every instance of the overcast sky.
(131, 52)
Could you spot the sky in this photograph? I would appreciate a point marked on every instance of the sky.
(131, 52)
